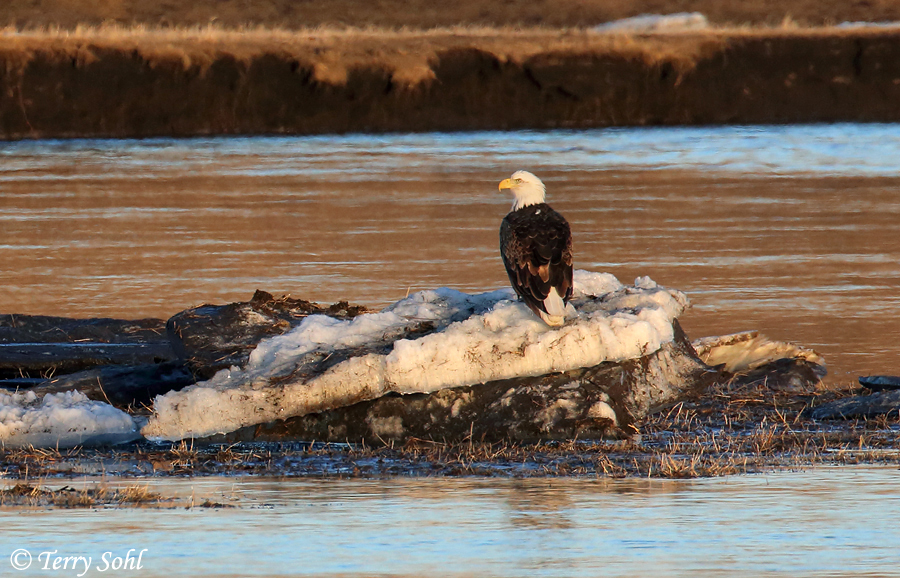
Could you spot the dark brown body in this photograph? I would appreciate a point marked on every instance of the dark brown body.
(536, 246)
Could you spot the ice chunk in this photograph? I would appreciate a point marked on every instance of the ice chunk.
(742, 352)
(61, 420)
(656, 23)
(862, 24)
(588, 284)
(477, 338)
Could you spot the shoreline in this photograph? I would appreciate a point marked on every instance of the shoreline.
(721, 432)
(423, 14)
(137, 83)
(772, 418)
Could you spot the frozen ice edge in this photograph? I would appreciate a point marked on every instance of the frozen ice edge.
(61, 420)
(478, 338)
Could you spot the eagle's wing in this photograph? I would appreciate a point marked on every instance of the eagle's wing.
(537, 253)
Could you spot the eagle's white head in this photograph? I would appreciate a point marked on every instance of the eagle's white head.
(527, 189)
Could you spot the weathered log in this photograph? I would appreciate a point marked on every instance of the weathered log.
(35, 346)
(859, 406)
(48, 359)
(17, 383)
(880, 382)
(587, 403)
(786, 374)
(214, 337)
(440, 365)
(125, 387)
(436, 340)
(47, 329)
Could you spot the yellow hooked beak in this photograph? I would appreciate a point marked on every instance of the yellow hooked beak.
(505, 184)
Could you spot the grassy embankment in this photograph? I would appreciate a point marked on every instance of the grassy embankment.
(132, 68)
(422, 14)
(132, 82)
(408, 56)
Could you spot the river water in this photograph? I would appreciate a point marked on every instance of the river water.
(824, 522)
(791, 230)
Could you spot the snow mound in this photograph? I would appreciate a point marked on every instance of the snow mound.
(861, 24)
(61, 420)
(589, 284)
(656, 23)
(475, 339)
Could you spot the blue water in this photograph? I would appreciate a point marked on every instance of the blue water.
(823, 522)
(149, 227)
(832, 149)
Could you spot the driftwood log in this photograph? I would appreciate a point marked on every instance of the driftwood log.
(586, 402)
(33, 348)
(594, 402)
(881, 396)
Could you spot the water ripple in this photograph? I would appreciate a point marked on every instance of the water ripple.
(828, 149)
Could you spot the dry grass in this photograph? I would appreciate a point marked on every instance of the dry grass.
(427, 13)
(731, 430)
(27, 495)
(408, 55)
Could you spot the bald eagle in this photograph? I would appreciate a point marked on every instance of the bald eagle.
(536, 246)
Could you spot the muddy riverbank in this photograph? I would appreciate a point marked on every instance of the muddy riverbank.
(116, 83)
(730, 429)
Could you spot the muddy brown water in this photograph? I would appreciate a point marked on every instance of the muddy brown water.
(792, 231)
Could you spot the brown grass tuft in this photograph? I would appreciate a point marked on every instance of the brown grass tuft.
(27, 495)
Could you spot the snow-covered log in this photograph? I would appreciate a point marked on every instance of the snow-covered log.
(432, 341)
(587, 403)
(439, 365)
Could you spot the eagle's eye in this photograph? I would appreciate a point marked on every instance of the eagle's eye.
(518, 181)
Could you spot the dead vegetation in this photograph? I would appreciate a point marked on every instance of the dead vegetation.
(407, 55)
(729, 430)
(425, 13)
(29, 495)
(214, 80)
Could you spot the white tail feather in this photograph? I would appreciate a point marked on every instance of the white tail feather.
(556, 309)
(554, 305)
(553, 320)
